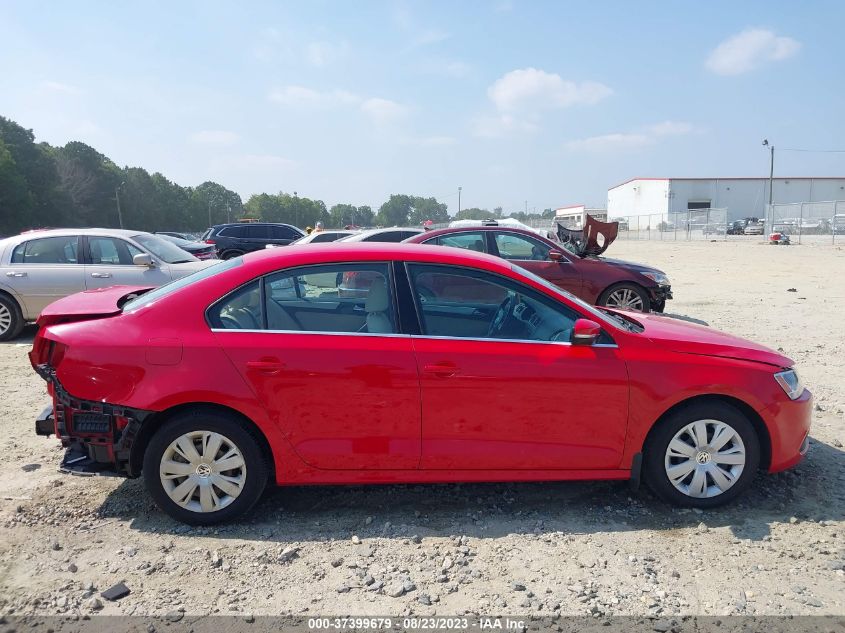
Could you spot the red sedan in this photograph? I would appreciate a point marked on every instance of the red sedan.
(452, 366)
(576, 266)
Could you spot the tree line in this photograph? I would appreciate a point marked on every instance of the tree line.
(75, 185)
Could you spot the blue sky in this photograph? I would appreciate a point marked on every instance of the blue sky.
(549, 102)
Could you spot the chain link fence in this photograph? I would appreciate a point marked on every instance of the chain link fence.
(692, 224)
(808, 221)
(814, 222)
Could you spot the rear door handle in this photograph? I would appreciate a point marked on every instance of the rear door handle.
(266, 365)
(442, 370)
(15, 273)
(101, 275)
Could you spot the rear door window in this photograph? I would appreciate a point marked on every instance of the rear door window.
(473, 241)
(343, 298)
(48, 250)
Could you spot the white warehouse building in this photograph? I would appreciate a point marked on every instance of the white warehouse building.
(741, 197)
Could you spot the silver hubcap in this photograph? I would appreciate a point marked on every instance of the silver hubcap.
(705, 458)
(625, 299)
(5, 319)
(202, 471)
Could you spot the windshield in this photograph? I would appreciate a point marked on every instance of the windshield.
(601, 317)
(164, 250)
(162, 291)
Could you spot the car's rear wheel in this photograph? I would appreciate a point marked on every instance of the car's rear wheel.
(703, 456)
(626, 296)
(11, 319)
(231, 254)
(203, 467)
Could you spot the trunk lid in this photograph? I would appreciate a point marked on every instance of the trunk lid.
(593, 239)
(90, 304)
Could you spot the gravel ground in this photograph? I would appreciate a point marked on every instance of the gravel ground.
(560, 548)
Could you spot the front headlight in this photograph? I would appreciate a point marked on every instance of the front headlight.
(790, 383)
(659, 278)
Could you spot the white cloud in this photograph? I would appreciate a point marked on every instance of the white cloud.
(501, 125)
(383, 111)
(302, 96)
(378, 110)
(636, 139)
(431, 141)
(670, 128)
(446, 68)
(215, 137)
(58, 86)
(324, 53)
(248, 162)
(607, 142)
(533, 89)
(748, 50)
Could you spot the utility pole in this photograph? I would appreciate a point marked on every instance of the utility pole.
(771, 180)
(228, 212)
(526, 207)
(459, 199)
(117, 199)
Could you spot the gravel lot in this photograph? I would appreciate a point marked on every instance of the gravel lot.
(568, 548)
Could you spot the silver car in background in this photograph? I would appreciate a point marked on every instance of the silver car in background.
(38, 267)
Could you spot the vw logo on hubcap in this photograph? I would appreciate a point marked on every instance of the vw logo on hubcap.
(203, 470)
(703, 457)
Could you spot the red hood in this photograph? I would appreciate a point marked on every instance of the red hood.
(98, 303)
(685, 337)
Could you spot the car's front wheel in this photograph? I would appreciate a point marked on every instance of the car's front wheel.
(231, 254)
(703, 456)
(626, 296)
(203, 467)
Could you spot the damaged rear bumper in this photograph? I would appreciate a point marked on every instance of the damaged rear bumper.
(99, 436)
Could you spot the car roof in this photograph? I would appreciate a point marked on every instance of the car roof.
(475, 229)
(38, 233)
(331, 252)
(361, 235)
(227, 224)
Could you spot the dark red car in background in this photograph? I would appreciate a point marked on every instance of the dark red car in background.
(575, 265)
(451, 366)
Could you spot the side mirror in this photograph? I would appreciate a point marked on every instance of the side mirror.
(143, 259)
(555, 256)
(585, 332)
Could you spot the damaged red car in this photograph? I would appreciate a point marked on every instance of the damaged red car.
(573, 261)
(451, 366)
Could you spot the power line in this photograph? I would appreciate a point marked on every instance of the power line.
(815, 151)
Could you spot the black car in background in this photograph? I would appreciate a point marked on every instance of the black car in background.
(236, 239)
(200, 250)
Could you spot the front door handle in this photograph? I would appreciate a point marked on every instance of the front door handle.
(101, 275)
(441, 370)
(15, 273)
(266, 365)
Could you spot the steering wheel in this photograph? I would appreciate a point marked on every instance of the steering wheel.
(230, 323)
(502, 314)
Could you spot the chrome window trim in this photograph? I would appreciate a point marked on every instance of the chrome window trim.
(416, 336)
(221, 330)
(511, 340)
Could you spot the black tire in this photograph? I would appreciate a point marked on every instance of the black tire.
(231, 254)
(234, 429)
(638, 290)
(654, 454)
(16, 324)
